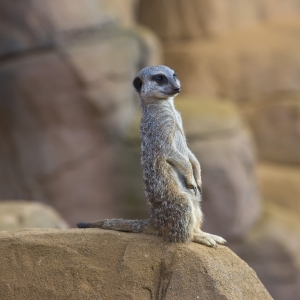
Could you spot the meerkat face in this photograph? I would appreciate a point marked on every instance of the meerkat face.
(159, 82)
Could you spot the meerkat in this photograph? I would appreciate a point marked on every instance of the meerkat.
(171, 172)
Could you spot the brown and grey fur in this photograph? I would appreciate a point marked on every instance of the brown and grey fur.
(171, 173)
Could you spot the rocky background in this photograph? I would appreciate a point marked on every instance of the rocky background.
(69, 118)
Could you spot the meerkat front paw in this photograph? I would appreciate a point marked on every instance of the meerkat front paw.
(199, 186)
(191, 186)
(208, 239)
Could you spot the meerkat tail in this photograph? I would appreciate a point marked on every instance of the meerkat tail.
(118, 225)
(84, 225)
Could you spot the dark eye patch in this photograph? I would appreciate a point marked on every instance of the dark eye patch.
(160, 78)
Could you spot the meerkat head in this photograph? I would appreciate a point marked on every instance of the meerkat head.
(156, 83)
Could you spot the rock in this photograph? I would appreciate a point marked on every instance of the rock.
(66, 96)
(151, 47)
(197, 19)
(94, 263)
(59, 115)
(243, 66)
(272, 250)
(280, 185)
(224, 147)
(276, 126)
(30, 24)
(24, 214)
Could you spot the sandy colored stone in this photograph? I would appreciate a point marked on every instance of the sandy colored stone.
(31, 24)
(243, 66)
(66, 96)
(276, 127)
(52, 149)
(25, 214)
(81, 15)
(93, 264)
(151, 46)
(59, 114)
(198, 19)
(272, 250)
(280, 184)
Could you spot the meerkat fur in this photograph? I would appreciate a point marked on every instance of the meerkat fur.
(171, 172)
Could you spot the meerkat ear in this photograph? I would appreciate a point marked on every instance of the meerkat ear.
(137, 83)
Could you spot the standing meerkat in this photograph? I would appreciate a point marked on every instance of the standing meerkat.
(171, 172)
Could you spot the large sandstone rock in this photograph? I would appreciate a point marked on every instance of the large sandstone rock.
(272, 250)
(280, 184)
(222, 144)
(64, 106)
(30, 24)
(243, 66)
(58, 114)
(276, 126)
(24, 214)
(98, 264)
(198, 19)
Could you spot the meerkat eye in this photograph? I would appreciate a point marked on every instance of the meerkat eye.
(160, 79)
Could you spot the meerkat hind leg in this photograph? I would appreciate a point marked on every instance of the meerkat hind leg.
(208, 239)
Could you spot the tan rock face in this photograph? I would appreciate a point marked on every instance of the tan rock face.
(242, 66)
(280, 185)
(257, 68)
(198, 19)
(66, 97)
(272, 250)
(93, 263)
(277, 128)
(32, 24)
(59, 111)
(24, 214)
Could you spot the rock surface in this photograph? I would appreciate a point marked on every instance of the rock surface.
(24, 214)
(98, 264)
(64, 106)
(272, 250)
(33, 24)
(262, 60)
(198, 19)
(276, 126)
(280, 185)
(51, 136)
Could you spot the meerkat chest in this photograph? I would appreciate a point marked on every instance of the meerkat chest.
(179, 140)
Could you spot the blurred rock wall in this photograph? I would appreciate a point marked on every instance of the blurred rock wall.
(66, 96)
(247, 53)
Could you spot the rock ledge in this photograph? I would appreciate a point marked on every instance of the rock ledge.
(99, 264)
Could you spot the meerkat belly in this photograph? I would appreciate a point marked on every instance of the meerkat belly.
(179, 143)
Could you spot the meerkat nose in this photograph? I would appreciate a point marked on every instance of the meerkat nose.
(177, 90)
